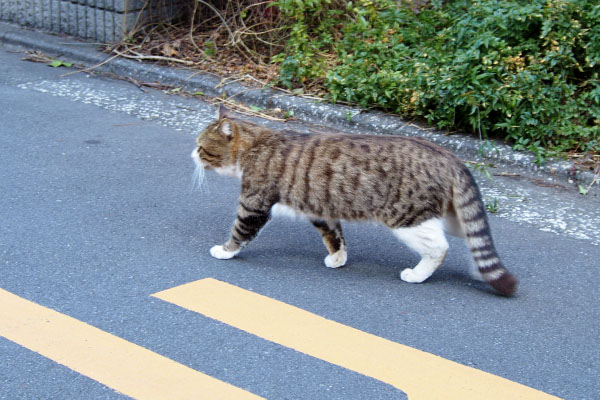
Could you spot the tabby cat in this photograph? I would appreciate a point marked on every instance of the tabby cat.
(417, 189)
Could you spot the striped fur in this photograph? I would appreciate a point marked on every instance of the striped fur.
(417, 189)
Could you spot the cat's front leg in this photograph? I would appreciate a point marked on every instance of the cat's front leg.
(247, 224)
(333, 238)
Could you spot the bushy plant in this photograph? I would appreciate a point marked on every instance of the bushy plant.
(526, 71)
(314, 28)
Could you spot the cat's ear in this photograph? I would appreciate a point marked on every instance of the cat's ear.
(226, 128)
(223, 112)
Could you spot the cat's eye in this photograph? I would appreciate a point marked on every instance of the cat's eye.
(202, 149)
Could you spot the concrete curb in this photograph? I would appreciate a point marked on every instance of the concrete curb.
(337, 116)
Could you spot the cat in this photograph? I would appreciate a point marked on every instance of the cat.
(417, 189)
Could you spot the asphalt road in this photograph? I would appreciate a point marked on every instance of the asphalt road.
(98, 213)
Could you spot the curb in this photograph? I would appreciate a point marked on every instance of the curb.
(336, 116)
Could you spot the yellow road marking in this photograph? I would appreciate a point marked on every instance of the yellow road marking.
(419, 374)
(115, 362)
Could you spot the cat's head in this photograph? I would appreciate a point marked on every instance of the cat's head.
(216, 146)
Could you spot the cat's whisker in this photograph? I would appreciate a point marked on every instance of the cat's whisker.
(199, 179)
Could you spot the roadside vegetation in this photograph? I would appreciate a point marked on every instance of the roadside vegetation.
(525, 72)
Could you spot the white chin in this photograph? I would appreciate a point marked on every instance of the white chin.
(230, 170)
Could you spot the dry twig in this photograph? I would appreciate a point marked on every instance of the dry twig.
(138, 56)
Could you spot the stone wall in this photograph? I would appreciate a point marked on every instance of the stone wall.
(102, 20)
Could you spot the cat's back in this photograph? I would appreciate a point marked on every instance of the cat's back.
(375, 156)
(286, 143)
(361, 146)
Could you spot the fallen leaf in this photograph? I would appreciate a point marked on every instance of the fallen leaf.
(170, 50)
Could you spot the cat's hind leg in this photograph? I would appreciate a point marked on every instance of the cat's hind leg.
(429, 241)
(333, 238)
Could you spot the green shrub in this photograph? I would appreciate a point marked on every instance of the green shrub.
(525, 71)
(313, 24)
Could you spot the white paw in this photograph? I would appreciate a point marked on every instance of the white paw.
(337, 259)
(222, 254)
(410, 276)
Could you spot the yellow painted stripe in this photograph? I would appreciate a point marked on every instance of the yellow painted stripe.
(115, 362)
(419, 374)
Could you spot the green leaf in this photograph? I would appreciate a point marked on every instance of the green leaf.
(59, 63)
(255, 108)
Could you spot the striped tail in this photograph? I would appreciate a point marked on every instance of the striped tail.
(472, 218)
